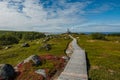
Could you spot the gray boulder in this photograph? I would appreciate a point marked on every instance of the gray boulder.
(25, 45)
(7, 72)
(41, 72)
(36, 59)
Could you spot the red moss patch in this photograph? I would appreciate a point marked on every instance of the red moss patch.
(26, 71)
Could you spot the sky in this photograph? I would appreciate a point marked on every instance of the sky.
(58, 15)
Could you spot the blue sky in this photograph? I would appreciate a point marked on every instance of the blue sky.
(58, 15)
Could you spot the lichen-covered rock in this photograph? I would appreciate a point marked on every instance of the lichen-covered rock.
(7, 72)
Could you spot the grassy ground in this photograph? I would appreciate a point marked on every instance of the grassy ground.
(17, 53)
(103, 56)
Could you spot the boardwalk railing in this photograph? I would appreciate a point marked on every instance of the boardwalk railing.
(76, 68)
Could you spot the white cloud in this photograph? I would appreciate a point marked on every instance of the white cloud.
(32, 15)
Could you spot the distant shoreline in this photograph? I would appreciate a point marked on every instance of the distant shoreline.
(84, 32)
(61, 32)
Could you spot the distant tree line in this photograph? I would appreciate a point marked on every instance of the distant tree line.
(114, 34)
(8, 38)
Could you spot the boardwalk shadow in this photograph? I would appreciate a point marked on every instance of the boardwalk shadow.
(88, 65)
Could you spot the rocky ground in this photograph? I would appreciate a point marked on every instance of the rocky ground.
(33, 68)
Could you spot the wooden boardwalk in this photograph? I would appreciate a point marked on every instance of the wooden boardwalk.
(76, 68)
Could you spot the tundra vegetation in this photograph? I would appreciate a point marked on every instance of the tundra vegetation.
(54, 50)
(103, 54)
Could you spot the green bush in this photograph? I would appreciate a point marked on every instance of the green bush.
(11, 37)
(98, 36)
(8, 39)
